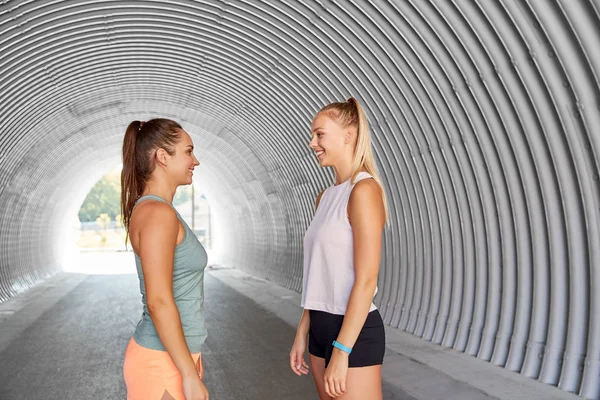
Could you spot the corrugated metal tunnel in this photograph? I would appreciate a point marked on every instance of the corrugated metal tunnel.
(483, 115)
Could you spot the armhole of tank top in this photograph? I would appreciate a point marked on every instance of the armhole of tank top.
(320, 200)
(185, 231)
(348, 203)
(179, 217)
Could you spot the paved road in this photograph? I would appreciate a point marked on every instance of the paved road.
(66, 341)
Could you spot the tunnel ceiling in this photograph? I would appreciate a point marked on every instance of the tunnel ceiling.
(484, 116)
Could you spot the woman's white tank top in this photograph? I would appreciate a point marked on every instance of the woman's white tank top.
(329, 252)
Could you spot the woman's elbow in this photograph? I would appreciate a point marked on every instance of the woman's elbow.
(157, 304)
(367, 283)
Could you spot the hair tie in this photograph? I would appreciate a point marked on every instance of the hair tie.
(141, 124)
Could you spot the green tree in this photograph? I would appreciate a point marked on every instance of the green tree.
(103, 198)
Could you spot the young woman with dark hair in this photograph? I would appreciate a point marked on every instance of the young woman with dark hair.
(163, 359)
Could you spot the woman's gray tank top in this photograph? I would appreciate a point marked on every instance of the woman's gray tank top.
(188, 290)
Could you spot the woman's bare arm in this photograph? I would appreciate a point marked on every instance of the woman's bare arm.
(367, 217)
(156, 247)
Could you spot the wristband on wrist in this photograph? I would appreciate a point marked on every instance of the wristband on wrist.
(342, 347)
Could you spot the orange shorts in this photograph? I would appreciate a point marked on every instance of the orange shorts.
(149, 373)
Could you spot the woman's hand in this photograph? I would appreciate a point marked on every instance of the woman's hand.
(335, 374)
(297, 363)
(194, 389)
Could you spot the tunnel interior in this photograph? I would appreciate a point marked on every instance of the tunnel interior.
(484, 119)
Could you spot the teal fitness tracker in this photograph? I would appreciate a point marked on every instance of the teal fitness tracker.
(342, 347)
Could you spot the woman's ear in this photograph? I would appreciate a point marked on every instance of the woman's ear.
(349, 136)
(162, 156)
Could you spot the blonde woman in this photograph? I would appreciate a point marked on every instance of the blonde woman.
(340, 325)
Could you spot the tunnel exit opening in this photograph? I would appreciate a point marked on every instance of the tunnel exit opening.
(97, 236)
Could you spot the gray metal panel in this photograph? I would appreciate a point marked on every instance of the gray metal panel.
(484, 117)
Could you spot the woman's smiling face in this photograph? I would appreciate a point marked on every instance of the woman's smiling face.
(328, 140)
(182, 164)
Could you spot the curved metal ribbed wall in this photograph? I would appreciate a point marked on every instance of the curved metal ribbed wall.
(485, 118)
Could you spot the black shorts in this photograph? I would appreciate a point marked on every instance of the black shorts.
(368, 349)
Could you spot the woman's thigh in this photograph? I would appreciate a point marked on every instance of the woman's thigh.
(317, 365)
(363, 383)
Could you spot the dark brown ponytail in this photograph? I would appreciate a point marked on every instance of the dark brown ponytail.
(131, 183)
(140, 143)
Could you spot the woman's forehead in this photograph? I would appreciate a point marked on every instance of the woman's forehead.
(185, 138)
(321, 120)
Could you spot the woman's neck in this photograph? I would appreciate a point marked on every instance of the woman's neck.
(342, 173)
(160, 189)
